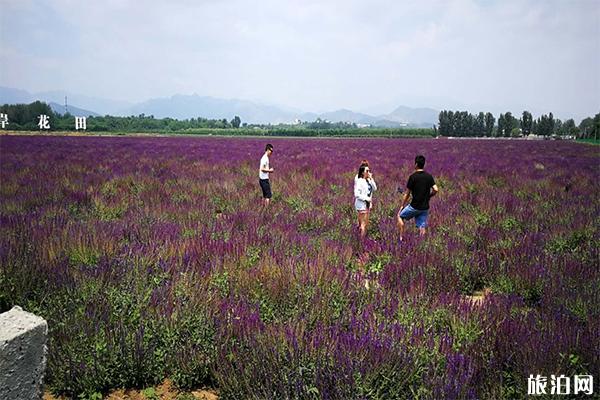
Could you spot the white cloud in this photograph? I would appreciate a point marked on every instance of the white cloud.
(311, 54)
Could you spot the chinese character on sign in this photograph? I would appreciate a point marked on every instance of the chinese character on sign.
(584, 384)
(560, 384)
(4, 120)
(536, 384)
(44, 122)
(80, 123)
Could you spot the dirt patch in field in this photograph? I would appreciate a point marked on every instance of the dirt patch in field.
(205, 395)
(478, 297)
(165, 391)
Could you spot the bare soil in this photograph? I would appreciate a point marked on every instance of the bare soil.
(165, 391)
(478, 297)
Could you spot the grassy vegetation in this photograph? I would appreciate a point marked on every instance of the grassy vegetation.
(591, 141)
(152, 259)
(254, 132)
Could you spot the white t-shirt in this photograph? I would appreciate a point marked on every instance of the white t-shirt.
(371, 181)
(264, 164)
(362, 194)
(363, 191)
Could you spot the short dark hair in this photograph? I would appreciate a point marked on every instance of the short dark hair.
(420, 161)
(269, 147)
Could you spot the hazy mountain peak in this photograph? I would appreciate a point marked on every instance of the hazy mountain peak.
(185, 106)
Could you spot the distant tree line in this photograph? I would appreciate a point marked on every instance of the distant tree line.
(325, 124)
(25, 117)
(465, 124)
(287, 130)
(451, 123)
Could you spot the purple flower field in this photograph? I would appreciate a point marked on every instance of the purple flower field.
(152, 258)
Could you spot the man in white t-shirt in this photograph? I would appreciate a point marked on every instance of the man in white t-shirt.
(263, 174)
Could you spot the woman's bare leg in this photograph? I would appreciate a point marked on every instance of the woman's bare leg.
(362, 222)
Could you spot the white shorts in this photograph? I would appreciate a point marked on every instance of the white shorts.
(360, 205)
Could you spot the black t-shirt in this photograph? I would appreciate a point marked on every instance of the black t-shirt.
(420, 184)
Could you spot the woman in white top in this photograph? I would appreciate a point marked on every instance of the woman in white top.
(365, 163)
(363, 190)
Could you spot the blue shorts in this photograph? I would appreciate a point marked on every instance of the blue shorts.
(420, 215)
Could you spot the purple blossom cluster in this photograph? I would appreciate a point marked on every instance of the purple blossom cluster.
(153, 258)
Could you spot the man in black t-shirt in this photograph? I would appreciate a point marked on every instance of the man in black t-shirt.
(422, 187)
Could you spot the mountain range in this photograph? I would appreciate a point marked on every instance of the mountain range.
(194, 106)
(75, 111)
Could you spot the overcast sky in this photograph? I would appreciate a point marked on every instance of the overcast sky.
(313, 55)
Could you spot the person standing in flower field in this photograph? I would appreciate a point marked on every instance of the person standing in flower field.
(364, 163)
(422, 187)
(364, 187)
(371, 181)
(263, 174)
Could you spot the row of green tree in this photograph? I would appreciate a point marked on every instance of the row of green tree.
(465, 124)
(26, 117)
(451, 123)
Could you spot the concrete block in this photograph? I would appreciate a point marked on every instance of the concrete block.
(22, 354)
